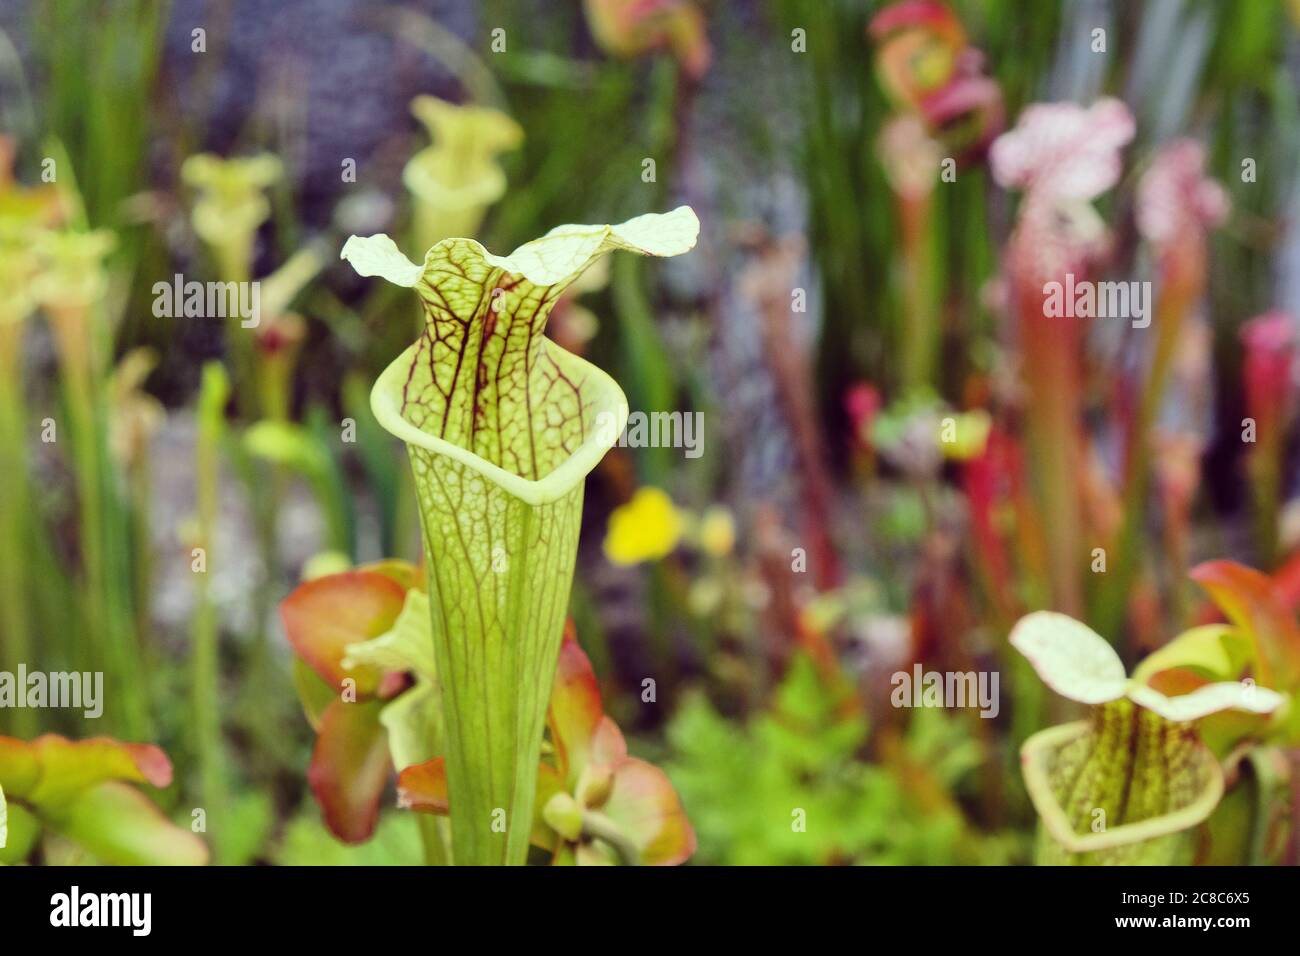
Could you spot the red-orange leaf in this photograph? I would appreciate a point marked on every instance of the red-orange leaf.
(1176, 681)
(576, 710)
(1286, 581)
(51, 770)
(645, 807)
(349, 768)
(607, 744)
(1250, 601)
(323, 616)
(423, 787)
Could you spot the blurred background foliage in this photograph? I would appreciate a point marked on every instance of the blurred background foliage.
(772, 679)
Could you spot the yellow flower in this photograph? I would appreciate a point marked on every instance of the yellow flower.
(717, 532)
(645, 529)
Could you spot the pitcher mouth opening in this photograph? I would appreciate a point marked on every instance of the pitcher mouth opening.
(1035, 755)
(386, 403)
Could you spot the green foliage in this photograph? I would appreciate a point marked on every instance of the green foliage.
(306, 842)
(743, 785)
(245, 828)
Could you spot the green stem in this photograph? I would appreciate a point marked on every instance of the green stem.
(1266, 485)
(1111, 603)
(1053, 421)
(13, 515)
(204, 665)
(921, 325)
(597, 826)
(83, 342)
